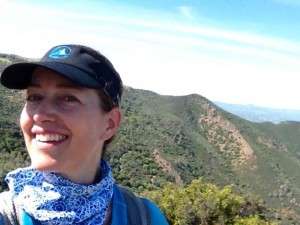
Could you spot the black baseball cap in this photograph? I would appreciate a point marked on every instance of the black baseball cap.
(80, 64)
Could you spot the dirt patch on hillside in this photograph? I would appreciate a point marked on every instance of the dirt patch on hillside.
(167, 167)
(224, 135)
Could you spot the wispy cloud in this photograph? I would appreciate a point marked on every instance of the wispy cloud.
(187, 11)
(157, 33)
(213, 34)
(146, 48)
(163, 33)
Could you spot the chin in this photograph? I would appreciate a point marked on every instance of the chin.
(44, 166)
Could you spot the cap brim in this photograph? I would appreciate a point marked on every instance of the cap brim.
(18, 76)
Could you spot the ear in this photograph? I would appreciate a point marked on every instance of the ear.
(114, 118)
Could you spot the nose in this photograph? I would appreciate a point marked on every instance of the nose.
(44, 111)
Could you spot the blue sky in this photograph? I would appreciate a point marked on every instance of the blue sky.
(234, 51)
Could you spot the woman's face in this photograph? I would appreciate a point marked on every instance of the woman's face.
(64, 127)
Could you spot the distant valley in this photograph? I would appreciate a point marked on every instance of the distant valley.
(260, 114)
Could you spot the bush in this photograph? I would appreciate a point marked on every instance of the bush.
(201, 203)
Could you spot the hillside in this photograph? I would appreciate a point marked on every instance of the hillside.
(179, 139)
(195, 138)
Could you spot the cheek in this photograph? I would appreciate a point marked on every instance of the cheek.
(25, 122)
(93, 124)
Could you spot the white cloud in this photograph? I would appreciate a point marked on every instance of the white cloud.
(166, 57)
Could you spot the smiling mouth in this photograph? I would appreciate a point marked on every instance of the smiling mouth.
(50, 137)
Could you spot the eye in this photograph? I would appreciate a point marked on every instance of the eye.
(33, 98)
(70, 98)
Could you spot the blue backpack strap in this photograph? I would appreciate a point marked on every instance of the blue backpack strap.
(141, 211)
(138, 212)
(157, 217)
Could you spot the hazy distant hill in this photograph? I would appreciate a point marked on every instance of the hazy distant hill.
(261, 114)
(6, 59)
(178, 139)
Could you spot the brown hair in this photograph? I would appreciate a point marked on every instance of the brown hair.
(113, 87)
(106, 102)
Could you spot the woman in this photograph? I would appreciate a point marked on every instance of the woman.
(71, 114)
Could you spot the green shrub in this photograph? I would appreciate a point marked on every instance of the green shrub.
(200, 203)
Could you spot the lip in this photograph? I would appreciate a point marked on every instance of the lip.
(43, 131)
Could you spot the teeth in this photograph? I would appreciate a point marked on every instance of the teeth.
(50, 137)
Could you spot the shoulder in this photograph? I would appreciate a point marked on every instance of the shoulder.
(10, 214)
(7, 208)
(6, 201)
(2, 205)
(5, 195)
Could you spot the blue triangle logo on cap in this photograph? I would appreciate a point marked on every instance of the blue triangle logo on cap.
(60, 52)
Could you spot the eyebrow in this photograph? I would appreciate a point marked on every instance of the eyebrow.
(62, 85)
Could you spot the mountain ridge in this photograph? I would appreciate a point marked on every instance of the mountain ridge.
(177, 139)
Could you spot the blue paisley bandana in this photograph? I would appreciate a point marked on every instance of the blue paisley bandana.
(52, 199)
